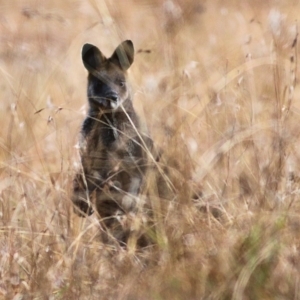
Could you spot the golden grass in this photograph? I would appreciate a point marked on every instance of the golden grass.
(216, 82)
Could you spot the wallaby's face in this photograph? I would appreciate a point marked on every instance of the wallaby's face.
(107, 80)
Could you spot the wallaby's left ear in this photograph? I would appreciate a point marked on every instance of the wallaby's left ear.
(123, 55)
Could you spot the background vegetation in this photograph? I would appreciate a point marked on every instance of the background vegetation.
(216, 82)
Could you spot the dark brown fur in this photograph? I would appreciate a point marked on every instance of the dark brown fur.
(112, 148)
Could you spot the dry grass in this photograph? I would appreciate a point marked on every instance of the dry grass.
(217, 85)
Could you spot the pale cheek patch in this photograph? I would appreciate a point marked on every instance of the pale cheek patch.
(114, 105)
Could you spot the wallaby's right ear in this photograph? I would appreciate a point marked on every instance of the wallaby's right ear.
(92, 57)
(123, 55)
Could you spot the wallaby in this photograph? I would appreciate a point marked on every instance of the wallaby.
(112, 148)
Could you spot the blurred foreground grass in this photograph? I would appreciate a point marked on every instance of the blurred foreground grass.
(216, 82)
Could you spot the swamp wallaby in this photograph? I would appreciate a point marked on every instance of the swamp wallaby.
(113, 150)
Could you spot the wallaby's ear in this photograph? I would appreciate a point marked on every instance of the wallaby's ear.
(92, 57)
(123, 55)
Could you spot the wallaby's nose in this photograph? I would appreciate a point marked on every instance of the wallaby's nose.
(113, 97)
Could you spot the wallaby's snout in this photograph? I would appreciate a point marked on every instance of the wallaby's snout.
(114, 100)
(113, 97)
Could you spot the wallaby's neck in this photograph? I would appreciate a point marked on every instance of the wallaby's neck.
(114, 118)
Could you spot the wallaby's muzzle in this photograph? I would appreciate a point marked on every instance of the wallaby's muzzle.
(112, 100)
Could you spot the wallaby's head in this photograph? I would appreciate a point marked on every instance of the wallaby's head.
(107, 80)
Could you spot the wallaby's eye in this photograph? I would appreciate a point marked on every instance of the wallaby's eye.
(121, 83)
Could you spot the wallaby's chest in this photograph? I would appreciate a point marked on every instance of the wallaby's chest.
(111, 137)
(108, 143)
